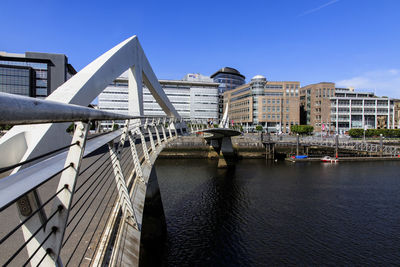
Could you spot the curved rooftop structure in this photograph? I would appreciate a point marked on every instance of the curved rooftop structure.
(259, 77)
(228, 70)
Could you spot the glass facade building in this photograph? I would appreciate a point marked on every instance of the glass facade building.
(16, 80)
(228, 79)
(193, 97)
(33, 74)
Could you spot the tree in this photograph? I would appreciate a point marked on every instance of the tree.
(302, 129)
(357, 132)
(259, 128)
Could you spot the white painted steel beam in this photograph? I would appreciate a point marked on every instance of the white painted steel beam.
(81, 89)
(62, 203)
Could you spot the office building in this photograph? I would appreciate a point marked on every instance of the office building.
(33, 74)
(397, 113)
(228, 79)
(271, 104)
(194, 97)
(315, 105)
(352, 109)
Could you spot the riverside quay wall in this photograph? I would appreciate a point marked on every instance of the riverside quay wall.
(251, 146)
(248, 146)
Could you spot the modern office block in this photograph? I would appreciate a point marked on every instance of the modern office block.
(352, 109)
(194, 97)
(271, 104)
(33, 74)
(315, 105)
(228, 79)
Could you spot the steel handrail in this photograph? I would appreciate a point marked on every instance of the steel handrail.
(19, 110)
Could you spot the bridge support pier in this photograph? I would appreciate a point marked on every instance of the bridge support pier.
(223, 146)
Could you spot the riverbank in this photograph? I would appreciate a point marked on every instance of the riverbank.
(251, 147)
(346, 159)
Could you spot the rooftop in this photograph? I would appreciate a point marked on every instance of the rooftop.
(228, 70)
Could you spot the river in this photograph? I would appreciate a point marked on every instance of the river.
(263, 214)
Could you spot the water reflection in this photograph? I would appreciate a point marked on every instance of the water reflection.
(280, 214)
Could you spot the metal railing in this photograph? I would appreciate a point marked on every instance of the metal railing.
(343, 143)
(70, 206)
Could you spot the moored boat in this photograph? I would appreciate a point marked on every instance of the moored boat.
(329, 159)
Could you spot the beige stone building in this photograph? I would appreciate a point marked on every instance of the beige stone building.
(271, 104)
(397, 113)
(315, 105)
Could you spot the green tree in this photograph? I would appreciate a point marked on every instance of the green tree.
(302, 129)
(357, 132)
(259, 128)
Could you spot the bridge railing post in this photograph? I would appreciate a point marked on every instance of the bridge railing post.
(55, 227)
(136, 160)
(153, 147)
(169, 129)
(175, 130)
(123, 193)
(163, 130)
(157, 132)
(144, 146)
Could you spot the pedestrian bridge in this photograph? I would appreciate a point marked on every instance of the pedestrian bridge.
(69, 193)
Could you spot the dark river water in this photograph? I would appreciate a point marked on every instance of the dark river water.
(263, 214)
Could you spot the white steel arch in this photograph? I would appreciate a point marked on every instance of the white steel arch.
(28, 141)
(31, 140)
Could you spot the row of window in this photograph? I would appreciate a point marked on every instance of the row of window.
(273, 109)
(273, 101)
(276, 116)
(240, 110)
(4, 72)
(42, 66)
(15, 89)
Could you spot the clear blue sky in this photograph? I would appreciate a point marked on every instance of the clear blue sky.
(351, 42)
